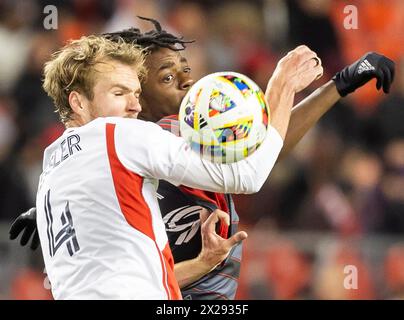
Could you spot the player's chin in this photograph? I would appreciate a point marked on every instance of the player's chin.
(179, 99)
(132, 115)
(175, 107)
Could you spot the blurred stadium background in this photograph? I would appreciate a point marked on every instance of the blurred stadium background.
(337, 200)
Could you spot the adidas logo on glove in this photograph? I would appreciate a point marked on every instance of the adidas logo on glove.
(365, 66)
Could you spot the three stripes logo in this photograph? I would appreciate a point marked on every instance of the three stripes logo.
(365, 66)
(67, 234)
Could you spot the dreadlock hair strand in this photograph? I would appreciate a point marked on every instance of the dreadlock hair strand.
(151, 40)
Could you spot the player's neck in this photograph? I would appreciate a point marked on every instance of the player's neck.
(74, 124)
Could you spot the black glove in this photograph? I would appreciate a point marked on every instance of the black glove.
(371, 65)
(26, 223)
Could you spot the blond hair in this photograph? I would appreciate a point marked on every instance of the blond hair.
(73, 68)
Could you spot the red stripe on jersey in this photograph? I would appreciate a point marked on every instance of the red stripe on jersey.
(164, 266)
(172, 281)
(173, 116)
(128, 188)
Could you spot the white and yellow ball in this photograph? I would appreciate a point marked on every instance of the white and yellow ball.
(224, 117)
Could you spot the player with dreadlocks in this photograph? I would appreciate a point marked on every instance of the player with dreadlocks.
(198, 253)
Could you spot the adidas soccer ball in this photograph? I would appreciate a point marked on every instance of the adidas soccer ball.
(224, 117)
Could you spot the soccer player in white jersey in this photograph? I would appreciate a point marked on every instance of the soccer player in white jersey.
(101, 232)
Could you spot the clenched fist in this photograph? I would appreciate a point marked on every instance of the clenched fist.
(298, 69)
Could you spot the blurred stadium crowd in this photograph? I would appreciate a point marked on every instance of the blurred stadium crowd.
(338, 200)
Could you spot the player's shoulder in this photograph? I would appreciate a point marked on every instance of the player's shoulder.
(135, 130)
(129, 124)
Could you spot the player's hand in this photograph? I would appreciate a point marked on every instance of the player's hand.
(26, 224)
(298, 69)
(371, 66)
(215, 248)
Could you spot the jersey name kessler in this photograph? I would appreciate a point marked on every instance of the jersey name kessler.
(67, 147)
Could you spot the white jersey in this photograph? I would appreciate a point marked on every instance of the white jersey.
(101, 231)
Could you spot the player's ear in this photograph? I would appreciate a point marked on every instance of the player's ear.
(77, 102)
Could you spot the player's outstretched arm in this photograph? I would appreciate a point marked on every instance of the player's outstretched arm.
(26, 224)
(305, 115)
(214, 249)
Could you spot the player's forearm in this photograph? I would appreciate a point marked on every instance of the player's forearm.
(189, 271)
(249, 175)
(280, 99)
(244, 176)
(307, 113)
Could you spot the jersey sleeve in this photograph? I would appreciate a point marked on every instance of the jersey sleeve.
(145, 148)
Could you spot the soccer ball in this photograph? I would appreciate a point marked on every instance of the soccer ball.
(224, 117)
